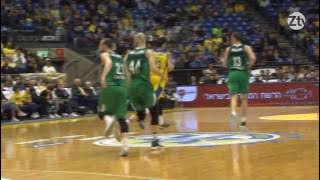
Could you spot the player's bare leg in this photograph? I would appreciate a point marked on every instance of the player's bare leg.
(109, 121)
(162, 122)
(123, 138)
(234, 104)
(244, 108)
(140, 117)
(155, 127)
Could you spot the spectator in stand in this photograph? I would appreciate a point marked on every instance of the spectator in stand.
(62, 97)
(24, 102)
(49, 68)
(79, 96)
(193, 81)
(209, 71)
(51, 106)
(301, 74)
(92, 96)
(20, 60)
(10, 108)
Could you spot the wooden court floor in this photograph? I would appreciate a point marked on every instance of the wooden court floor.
(65, 149)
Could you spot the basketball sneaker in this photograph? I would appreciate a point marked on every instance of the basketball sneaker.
(164, 125)
(124, 152)
(243, 126)
(124, 148)
(14, 119)
(155, 144)
(142, 124)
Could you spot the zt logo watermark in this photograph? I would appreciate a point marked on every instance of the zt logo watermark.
(296, 21)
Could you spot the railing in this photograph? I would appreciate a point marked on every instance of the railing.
(39, 77)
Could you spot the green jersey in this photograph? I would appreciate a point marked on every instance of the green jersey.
(238, 58)
(116, 76)
(138, 65)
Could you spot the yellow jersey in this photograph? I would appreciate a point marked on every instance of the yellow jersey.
(161, 61)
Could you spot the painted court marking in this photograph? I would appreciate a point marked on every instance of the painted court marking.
(83, 173)
(292, 117)
(201, 139)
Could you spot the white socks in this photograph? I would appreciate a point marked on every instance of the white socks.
(243, 119)
(233, 113)
(124, 142)
(161, 120)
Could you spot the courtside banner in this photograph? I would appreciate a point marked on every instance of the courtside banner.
(260, 94)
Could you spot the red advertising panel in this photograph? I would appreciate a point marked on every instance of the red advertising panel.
(260, 95)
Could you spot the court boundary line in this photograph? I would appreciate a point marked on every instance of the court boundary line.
(84, 173)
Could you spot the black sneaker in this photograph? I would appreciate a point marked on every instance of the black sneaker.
(243, 126)
(155, 144)
(164, 125)
(142, 124)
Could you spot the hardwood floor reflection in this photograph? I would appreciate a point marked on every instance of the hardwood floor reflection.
(65, 150)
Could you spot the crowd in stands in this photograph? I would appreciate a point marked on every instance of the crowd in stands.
(306, 39)
(197, 33)
(42, 98)
(15, 60)
(197, 30)
(210, 75)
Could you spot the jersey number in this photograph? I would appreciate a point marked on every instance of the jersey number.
(119, 68)
(237, 61)
(134, 66)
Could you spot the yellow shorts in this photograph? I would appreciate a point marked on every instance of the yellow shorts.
(155, 81)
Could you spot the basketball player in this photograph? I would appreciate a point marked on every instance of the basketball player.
(140, 62)
(238, 59)
(163, 61)
(113, 102)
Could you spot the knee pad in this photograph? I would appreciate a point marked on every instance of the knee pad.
(141, 115)
(124, 128)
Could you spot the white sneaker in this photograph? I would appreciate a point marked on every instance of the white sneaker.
(124, 148)
(124, 152)
(57, 116)
(74, 115)
(21, 114)
(51, 116)
(35, 116)
(15, 120)
(65, 114)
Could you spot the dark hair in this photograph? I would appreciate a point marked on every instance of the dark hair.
(236, 36)
(108, 42)
(161, 41)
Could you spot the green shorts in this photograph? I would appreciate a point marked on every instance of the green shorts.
(238, 82)
(141, 95)
(113, 101)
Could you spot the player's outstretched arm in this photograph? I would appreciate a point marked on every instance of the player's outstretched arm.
(106, 61)
(251, 55)
(152, 63)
